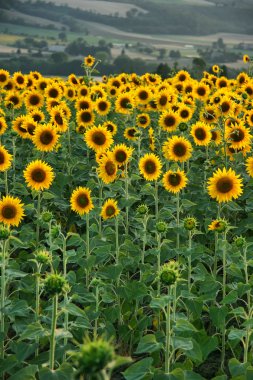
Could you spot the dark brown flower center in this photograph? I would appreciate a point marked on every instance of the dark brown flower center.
(143, 95)
(84, 105)
(142, 120)
(174, 179)
(131, 132)
(125, 103)
(222, 83)
(163, 100)
(46, 137)
(82, 200)
(224, 185)
(121, 156)
(110, 127)
(110, 210)
(84, 91)
(110, 168)
(9, 212)
(53, 93)
(182, 77)
(43, 85)
(98, 138)
(14, 100)
(3, 77)
(179, 149)
(34, 100)
(214, 135)
(20, 79)
(2, 158)
(38, 175)
(169, 121)
(30, 129)
(184, 114)
(237, 135)
(86, 117)
(201, 91)
(225, 107)
(102, 106)
(150, 167)
(37, 117)
(58, 119)
(200, 134)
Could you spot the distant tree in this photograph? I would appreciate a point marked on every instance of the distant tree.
(163, 70)
(76, 47)
(174, 54)
(162, 53)
(62, 36)
(59, 57)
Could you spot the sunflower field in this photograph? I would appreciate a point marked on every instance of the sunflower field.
(126, 226)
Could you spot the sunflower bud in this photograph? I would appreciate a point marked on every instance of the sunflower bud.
(55, 231)
(93, 357)
(183, 127)
(218, 225)
(4, 232)
(161, 227)
(239, 241)
(190, 223)
(142, 209)
(46, 216)
(55, 284)
(169, 273)
(43, 256)
(244, 95)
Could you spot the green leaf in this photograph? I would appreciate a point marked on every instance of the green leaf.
(236, 334)
(236, 368)
(27, 373)
(184, 325)
(190, 375)
(181, 343)
(133, 290)
(148, 343)
(138, 370)
(222, 377)
(195, 353)
(48, 195)
(111, 272)
(218, 316)
(160, 303)
(33, 331)
(231, 297)
(64, 372)
(14, 273)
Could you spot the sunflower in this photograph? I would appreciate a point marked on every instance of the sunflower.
(215, 69)
(163, 99)
(143, 95)
(58, 119)
(102, 106)
(37, 115)
(18, 126)
(225, 185)
(248, 89)
(72, 79)
(249, 166)
(182, 76)
(4, 77)
(45, 138)
(185, 113)
(107, 169)
(216, 136)
(109, 209)
(125, 103)
(237, 136)
(19, 80)
(246, 58)
(209, 115)
(169, 121)
(111, 127)
(70, 92)
(38, 175)
(13, 100)
(201, 91)
(29, 125)
(121, 154)
(53, 91)
(143, 120)
(81, 201)
(201, 133)
(242, 78)
(218, 225)
(221, 82)
(98, 138)
(150, 166)
(34, 99)
(10, 85)
(249, 118)
(131, 133)
(5, 159)
(11, 211)
(174, 181)
(85, 118)
(113, 91)
(83, 103)
(42, 84)
(3, 125)
(226, 105)
(177, 148)
(89, 61)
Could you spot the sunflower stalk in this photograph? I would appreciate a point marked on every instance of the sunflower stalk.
(6, 182)
(37, 302)
(53, 331)
(87, 247)
(127, 197)
(189, 259)
(158, 237)
(248, 329)
(178, 220)
(95, 331)
(144, 241)
(38, 221)
(3, 294)
(224, 280)
(66, 314)
(156, 201)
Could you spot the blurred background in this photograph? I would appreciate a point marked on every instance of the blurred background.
(139, 36)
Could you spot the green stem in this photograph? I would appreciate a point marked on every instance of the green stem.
(116, 241)
(6, 182)
(66, 314)
(215, 253)
(189, 261)
(95, 332)
(37, 303)
(158, 262)
(224, 279)
(156, 201)
(100, 205)
(38, 217)
(178, 221)
(144, 241)
(87, 246)
(53, 330)
(14, 160)
(168, 337)
(3, 295)
(126, 192)
(248, 330)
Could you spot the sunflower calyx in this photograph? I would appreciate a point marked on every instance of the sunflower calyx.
(142, 209)
(190, 223)
(42, 256)
(169, 273)
(161, 227)
(55, 284)
(239, 241)
(4, 232)
(46, 216)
